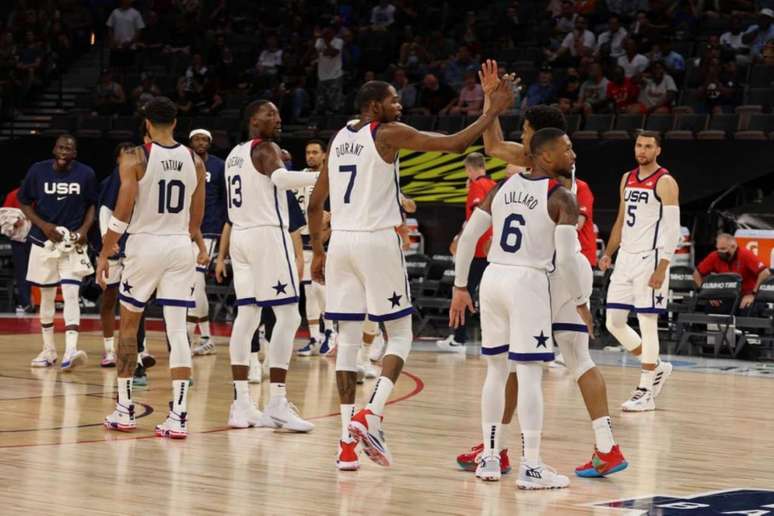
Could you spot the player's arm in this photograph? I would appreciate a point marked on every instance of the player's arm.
(763, 276)
(396, 135)
(408, 204)
(314, 213)
(668, 192)
(197, 211)
(480, 221)
(298, 248)
(267, 159)
(494, 143)
(223, 253)
(614, 242)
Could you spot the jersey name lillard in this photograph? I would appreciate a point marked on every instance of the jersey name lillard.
(520, 197)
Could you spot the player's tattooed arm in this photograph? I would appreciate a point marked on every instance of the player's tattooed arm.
(562, 207)
(494, 142)
(615, 234)
(267, 157)
(197, 211)
(395, 136)
(314, 215)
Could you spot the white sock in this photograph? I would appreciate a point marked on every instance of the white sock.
(314, 331)
(180, 393)
(491, 431)
(531, 447)
(71, 341)
(108, 344)
(646, 379)
(190, 328)
(204, 329)
(48, 338)
(381, 393)
(346, 412)
(278, 390)
(241, 391)
(125, 391)
(603, 434)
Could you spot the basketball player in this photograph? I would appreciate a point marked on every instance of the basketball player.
(214, 217)
(263, 257)
(63, 192)
(365, 273)
(162, 198)
(515, 302)
(647, 230)
(569, 328)
(315, 292)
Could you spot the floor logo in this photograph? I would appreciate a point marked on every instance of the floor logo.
(753, 502)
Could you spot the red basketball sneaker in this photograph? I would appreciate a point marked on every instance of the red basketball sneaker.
(469, 461)
(603, 464)
(347, 460)
(366, 428)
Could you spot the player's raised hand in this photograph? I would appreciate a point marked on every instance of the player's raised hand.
(461, 301)
(604, 263)
(585, 315)
(502, 97)
(220, 270)
(102, 271)
(488, 76)
(318, 268)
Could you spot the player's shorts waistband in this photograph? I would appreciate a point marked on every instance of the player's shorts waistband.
(361, 231)
(524, 268)
(638, 253)
(246, 228)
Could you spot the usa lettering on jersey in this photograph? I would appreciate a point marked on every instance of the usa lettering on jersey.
(62, 188)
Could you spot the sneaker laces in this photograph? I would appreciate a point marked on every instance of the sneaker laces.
(638, 393)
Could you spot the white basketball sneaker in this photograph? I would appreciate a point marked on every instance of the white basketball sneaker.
(663, 372)
(206, 347)
(255, 374)
(73, 359)
(280, 413)
(45, 358)
(450, 345)
(122, 419)
(175, 426)
(244, 415)
(641, 401)
(539, 476)
(489, 467)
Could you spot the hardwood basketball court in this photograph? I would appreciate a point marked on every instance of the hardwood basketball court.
(713, 431)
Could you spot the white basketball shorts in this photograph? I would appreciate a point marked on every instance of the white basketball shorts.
(44, 271)
(629, 288)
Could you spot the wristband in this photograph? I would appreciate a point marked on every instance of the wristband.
(117, 226)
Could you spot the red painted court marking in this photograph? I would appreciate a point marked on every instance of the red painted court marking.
(419, 386)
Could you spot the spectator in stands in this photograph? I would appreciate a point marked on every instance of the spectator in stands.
(632, 61)
(565, 22)
(153, 36)
(569, 94)
(406, 91)
(625, 8)
(208, 99)
(434, 96)
(270, 58)
(109, 96)
(456, 68)
(29, 62)
(673, 62)
(658, 92)
(183, 98)
(621, 90)
(733, 43)
(227, 71)
(330, 79)
(720, 90)
(612, 38)
(124, 24)
(578, 43)
(300, 101)
(542, 91)
(758, 35)
(383, 15)
(413, 55)
(145, 92)
(61, 46)
(351, 53)
(196, 72)
(470, 101)
(593, 92)
(729, 257)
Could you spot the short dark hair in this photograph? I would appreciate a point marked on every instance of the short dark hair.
(122, 147)
(541, 117)
(67, 136)
(372, 91)
(543, 137)
(315, 141)
(253, 107)
(651, 134)
(160, 111)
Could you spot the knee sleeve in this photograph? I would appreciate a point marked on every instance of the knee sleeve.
(281, 345)
(72, 307)
(47, 304)
(530, 400)
(650, 344)
(202, 305)
(616, 324)
(400, 337)
(493, 393)
(313, 306)
(179, 350)
(348, 345)
(370, 327)
(245, 326)
(574, 347)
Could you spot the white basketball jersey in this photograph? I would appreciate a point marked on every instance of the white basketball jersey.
(163, 204)
(302, 196)
(523, 231)
(252, 199)
(363, 187)
(642, 217)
